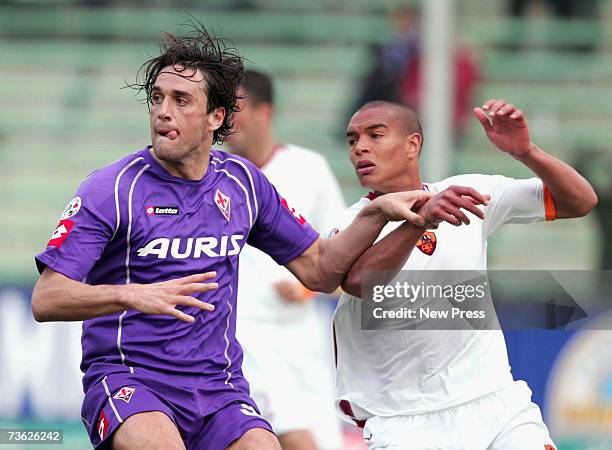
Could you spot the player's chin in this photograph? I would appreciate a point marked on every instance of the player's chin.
(366, 181)
(167, 152)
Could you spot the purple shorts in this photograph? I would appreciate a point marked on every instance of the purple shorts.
(118, 396)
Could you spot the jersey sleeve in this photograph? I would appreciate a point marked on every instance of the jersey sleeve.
(329, 200)
(85, 227)
(279, 229)
(517, 201)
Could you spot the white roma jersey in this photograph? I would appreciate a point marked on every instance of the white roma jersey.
(390, 373)
(304, 179)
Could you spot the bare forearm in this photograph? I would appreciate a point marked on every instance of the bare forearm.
(323, 266)
(58, 298)
(340, 252)
(573, 195)
(389, 254)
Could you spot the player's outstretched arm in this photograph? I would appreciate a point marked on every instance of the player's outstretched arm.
(59, 298)
(323, 265)
(391, 252)
(507, 128)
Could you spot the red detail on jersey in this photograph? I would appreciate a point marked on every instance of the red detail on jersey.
(295, 214)
(549, 447)
(63, 229)
(550, 209)
(102, 425)
(345, 406)
(427, 243)
(125, 394)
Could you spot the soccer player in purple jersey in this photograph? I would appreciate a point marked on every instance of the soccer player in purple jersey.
(146, 254)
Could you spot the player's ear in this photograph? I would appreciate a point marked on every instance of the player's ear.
(413, 145)
(215, 118)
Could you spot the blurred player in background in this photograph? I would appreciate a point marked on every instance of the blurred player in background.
(136, 251)
(435, 389)
(287, 357)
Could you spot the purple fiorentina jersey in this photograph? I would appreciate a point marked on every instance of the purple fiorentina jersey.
(133, 222)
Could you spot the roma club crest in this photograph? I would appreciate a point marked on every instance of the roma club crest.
(427, 243)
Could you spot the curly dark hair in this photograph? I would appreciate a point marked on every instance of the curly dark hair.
(216, 58)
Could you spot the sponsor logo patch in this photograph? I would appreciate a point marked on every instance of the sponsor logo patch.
(181, 248)
(72, 208)
(223, 203)
(102, 425)
(63, 229)
(427, 243)
(295, 214)
(125, 394)
(161, 210)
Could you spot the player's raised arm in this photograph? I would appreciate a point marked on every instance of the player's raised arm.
(507, 128)
(392, 252)
(58, 298)
(323, 265)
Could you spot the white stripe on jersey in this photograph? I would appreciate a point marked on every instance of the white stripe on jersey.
(110, 399)
(128, 247)
(130, 164)
(227, 322)
(119, 329)
(129, 229)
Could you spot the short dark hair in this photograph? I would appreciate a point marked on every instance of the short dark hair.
(216, 58)
(408, 118)
(258, 87)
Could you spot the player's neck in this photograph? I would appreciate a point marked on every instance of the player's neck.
(407, 183)
(192, 166)
(263, 152)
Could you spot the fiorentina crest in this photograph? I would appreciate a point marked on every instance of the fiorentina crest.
(125, 394)
(223, 203)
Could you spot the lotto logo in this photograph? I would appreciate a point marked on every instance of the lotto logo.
(63, 229)
(161, 210)
(295, 214)
(248, 410)
(102, 425)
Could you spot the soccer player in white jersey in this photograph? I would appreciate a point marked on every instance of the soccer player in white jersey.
(287, 357)
(440, 389)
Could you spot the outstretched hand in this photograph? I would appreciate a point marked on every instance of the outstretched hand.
(164, 297)
(402, 206)
(505, 126)
(447, 206)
